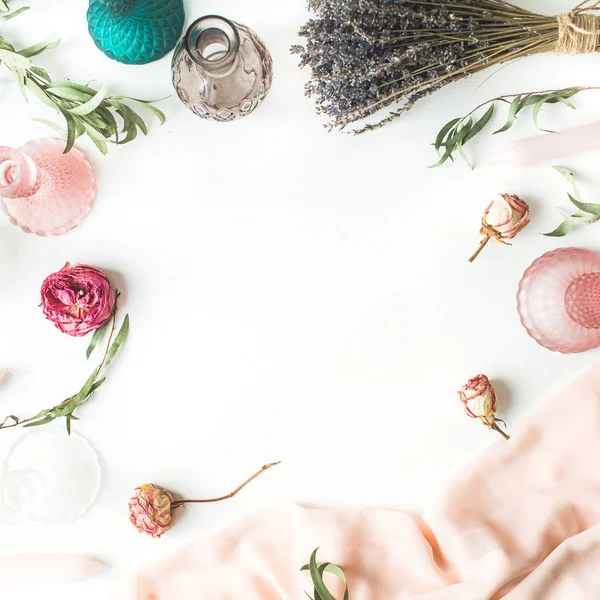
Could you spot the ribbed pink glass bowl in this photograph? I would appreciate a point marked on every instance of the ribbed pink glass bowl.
(559, 300)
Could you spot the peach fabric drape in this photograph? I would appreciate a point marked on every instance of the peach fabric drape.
(522, 523)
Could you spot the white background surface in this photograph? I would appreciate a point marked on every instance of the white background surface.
(294, 295)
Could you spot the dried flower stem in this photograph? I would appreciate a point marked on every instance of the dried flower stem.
(496, 427)
(179, 503)
(482, 245)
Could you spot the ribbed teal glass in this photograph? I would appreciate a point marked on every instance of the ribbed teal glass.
(135, 32)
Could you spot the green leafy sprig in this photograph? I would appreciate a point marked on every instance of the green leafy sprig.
(68, 407)
(86, 111)
(454, 135)
(585, 215)
(317, 570)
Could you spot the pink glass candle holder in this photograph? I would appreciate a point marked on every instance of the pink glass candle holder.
(559, 300)
(43, 190)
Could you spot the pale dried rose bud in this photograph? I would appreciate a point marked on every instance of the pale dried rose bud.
(503, 219)
(150, 510)
(479, 399)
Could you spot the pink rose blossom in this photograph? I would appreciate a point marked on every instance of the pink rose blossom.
(506, 216)
(78, 299)
(479, 399)
(150, 510)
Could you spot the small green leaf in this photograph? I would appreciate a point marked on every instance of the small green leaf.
(92, 104)
(443, 132)
(118, 341)
(9, 418)
(159, 114)
(42, 73)
(479, 125)
(44, 421)
(511, 115)
(460, 134)
(40, 94)
(536, 111)
(15, 13)
(447, 154)
(60, 130)
(36, 49)
(97, 335)
(586, 207)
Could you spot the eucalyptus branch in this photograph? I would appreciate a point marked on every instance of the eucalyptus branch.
(455, 134)
(68, 407)
(85, 110)
(317, 570)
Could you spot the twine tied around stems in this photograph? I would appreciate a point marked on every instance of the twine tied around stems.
(579, 33)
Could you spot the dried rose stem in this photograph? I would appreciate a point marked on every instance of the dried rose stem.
(502, 433)
(482, 244)
(179, 503)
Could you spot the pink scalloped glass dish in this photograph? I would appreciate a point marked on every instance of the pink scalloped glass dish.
(559, 300)
(44, 191)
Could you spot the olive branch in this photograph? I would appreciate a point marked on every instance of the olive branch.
(85, 110)
(68, 407)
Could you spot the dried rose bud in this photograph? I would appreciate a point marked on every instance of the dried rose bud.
(480, 402)
(150, 510)
(78, 299)
(503, 219)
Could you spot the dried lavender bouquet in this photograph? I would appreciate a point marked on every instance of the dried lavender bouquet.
(366, 55)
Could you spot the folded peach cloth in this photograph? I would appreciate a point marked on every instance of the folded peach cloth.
(522, 523)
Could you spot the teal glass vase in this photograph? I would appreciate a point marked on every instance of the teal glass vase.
(135, 32)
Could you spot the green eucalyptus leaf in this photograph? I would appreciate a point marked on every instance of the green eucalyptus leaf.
(447, 155)
(21, 80)
(479, 125)
(93, 103)
(43, 421)
(85, 89)
(41, 73)
(60, 130)
(15, 13)
(10, 418)
(586, 207)
(536, 111)
(96, 337)
(445, 130)
(14, 60)
(4, 6)
(146, 104)
(118, 341)
(512, 113)
(68, 93)
(36, 49)
(570, 177)
(99, 140)
(40, 94)
(460, 134)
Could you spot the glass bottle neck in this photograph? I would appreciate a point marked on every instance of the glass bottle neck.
(18, 174)
(213, 43)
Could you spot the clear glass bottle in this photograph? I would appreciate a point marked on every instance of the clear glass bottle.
(43, 190)
(221, 70)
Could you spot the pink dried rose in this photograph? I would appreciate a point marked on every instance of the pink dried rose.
(78, 299)
(479, 399)
(150, 508)
(503, 219)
